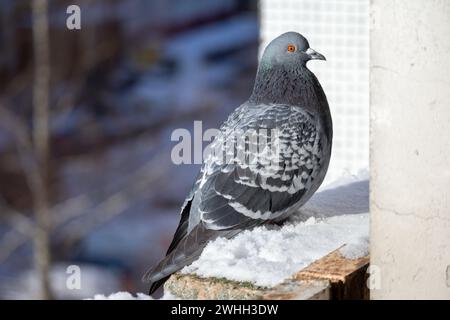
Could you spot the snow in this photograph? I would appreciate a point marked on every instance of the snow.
(347, 195)
(356, 249)
(267, 255)
(122, 295)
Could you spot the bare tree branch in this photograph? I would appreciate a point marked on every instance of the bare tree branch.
(70, 209)
(10, 242)
(41, 143)
(24, 147)
(17, 220)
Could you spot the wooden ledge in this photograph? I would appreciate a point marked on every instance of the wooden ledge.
(189, 287)
(332, 277)
(346, 279)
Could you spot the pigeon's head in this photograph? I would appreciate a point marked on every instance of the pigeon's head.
(289, 49)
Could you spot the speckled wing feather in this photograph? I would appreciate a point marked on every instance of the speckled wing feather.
(278, 180)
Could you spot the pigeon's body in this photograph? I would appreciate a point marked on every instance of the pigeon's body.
(287, 121)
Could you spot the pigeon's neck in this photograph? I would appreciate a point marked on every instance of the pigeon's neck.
(297, 88)
(278, 85)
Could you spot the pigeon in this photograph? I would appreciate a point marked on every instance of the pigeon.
(270, 156)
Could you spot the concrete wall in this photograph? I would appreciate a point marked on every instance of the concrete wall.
(410, 148)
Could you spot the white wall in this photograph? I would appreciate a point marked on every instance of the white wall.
(410, 147)
(339, 30)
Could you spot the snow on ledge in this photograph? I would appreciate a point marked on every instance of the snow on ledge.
(122, 295)
(265, 256)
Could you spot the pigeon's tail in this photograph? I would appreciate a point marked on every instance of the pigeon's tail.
(170, 264)
(186, 251)
(155, 285)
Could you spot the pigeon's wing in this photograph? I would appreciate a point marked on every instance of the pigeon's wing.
(271, 183)
(183, 225)
(237, 189)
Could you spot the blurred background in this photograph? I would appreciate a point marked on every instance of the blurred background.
(86, 118)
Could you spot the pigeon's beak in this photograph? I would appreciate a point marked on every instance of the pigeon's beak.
(314, 55)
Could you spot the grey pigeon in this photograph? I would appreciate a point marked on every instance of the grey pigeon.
(232, 195)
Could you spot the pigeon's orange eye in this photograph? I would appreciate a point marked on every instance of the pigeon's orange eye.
(291, 48)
